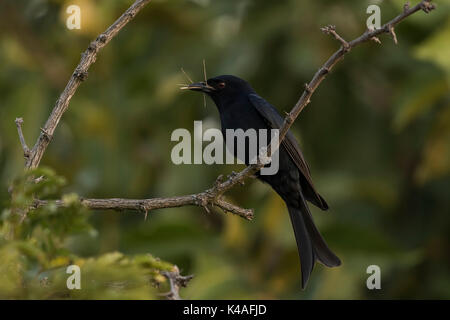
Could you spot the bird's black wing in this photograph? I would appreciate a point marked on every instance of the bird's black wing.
(275, 121)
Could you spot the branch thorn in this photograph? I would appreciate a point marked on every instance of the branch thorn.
(392, 32)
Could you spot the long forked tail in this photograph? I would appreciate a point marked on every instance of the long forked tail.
(311, 246)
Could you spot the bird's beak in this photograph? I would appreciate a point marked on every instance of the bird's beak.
(199, 86)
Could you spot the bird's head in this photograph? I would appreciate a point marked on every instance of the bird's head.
(222, 88)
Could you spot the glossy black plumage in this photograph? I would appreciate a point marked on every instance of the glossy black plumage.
(241, 108)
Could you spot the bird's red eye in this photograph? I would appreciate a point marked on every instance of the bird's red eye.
(221, 85)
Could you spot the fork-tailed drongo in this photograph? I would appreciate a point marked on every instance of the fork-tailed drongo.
(241, 108)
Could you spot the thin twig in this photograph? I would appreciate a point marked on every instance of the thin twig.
(26, 150)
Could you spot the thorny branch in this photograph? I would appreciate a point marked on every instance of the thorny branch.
(204, 200)
(34, 156)
(213, 196)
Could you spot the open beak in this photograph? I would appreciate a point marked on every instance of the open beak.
(199, 86)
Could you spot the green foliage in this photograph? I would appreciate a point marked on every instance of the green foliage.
(34, 250)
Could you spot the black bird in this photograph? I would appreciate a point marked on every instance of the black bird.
(240, 107)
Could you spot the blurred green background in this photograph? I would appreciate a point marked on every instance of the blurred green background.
(376, 135)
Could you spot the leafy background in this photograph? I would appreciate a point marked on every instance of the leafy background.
(376, 135)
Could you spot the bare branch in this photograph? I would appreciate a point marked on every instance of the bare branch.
(203, 199)
(79, 75)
